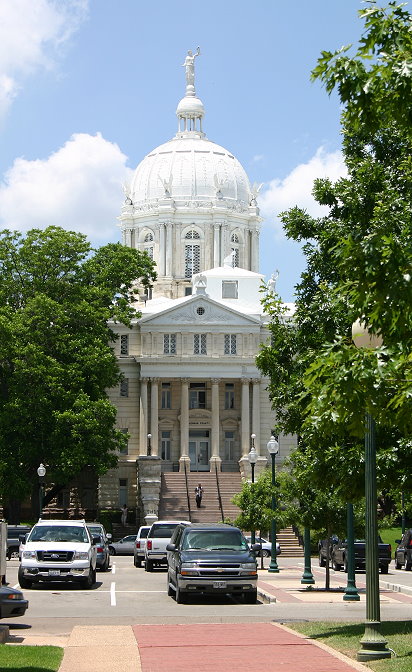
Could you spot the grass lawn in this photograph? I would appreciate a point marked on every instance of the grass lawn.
(389, 535)
(345, 637)
(30, 658)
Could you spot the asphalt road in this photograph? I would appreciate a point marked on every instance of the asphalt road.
(126, 596)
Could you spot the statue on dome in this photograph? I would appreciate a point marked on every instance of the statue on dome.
(271, 283)
(189, 66)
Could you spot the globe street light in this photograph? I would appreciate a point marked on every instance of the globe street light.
(373, 645)
(252, 457)
(41, 472)
(273, 449)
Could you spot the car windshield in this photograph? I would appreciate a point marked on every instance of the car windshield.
(95, 530)
(59, 533)
(215, 540)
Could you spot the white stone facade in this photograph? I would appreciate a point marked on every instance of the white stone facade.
(192, 394)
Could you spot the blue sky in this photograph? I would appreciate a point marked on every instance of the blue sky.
(88, 87)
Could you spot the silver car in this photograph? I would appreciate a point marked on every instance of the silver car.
(140, 545)
(123, 547)
(266, 546)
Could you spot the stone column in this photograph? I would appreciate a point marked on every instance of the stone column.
(224, 248)
(245, 417)
(254, 255)
(256, 412)
(162, 250)
(215, 457)
(184, 425)
(216, 246)
(143, 416)
(169, 249)
(154, 424)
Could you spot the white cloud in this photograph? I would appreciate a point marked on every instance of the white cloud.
(296, 188)
(79, 188)
(32, 35)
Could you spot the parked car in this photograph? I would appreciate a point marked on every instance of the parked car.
(403, 552)
(266, 546)
(140, 545)
(102, 547)
(340, 557)
(12, 602)
(123, 547)
(211, 558)
(14, 532)
(323, 549)
(59, 550)
(157, 539)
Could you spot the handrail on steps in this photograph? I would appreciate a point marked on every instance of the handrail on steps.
(218, 494)
(187, 493)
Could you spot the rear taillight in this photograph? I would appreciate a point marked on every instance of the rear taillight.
(137, 544)
(149, 544)
(100, 549)
(410, 543)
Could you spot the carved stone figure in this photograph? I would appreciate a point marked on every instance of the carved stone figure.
(271, 283)
(189, 66)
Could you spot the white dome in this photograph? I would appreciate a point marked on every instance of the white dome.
(190, 168)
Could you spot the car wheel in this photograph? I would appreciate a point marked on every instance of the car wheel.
(24, 583)
(137, 561)
(384, 569)
(90, 580)
(336, 566)
(148, 565)
(180, 597)
(266, 553)
(322, 561)
(13, 553)
(112, 551)
(398, 565)
(170, 590)
(408, 566)
(250, 598)
(106, 565)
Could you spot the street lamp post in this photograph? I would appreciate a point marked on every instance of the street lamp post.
(273, 449)
(252, 457)
(41, 472)
(373, 644)
(149, 444)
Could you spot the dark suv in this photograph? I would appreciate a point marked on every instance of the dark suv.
(211, 558)
(403, 553)
(14, 532)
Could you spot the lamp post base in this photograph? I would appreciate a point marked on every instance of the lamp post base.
(273, 567)
(373, 645)
(351, 593)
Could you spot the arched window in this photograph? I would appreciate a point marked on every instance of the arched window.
(235, 244)
(192, 254)
(148, 244)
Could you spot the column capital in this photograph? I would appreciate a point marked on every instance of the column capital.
(144, 380)
(245, 381)
(185, 381)
(256, 381)
(215, 381)
(155, 381)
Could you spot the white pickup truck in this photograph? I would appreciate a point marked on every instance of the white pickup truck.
(157, 539)
(59, 550)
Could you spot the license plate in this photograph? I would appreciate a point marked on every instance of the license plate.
(219, 584)
(54, 572)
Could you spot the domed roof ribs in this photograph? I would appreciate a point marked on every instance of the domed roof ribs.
(190, 110)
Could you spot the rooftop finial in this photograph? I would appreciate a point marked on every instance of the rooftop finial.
(189, 66)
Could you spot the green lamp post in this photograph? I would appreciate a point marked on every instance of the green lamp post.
(307, 576)
(252, 457)
(373, 644)
(41, 472)
(273, 449)
(351, 592)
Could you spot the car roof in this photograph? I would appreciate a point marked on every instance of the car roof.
(69, 523)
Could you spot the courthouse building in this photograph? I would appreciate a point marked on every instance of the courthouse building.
(191, 396)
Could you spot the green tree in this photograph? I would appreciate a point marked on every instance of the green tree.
(57, 297)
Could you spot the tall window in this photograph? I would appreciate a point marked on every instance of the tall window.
(122, 491)
(124, 449)
(199, 344)
(165, 445)
(229, 447)
(192, 254)
(229, 395)
(197, 395)
(124, 387)
(148, 244)
(169, 344)
(166, 400)
(229, 289)
(230, 344)
(124, 344)
(234, 239)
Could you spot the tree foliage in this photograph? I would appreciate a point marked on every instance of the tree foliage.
(57, 296)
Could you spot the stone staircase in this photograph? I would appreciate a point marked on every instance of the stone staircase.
(173, 503)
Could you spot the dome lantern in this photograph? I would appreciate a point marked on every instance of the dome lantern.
(190, 110)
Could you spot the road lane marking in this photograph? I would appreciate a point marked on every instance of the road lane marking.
(113, 594)
(114, 568)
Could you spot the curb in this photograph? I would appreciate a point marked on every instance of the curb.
(396, 587)
(4, 633)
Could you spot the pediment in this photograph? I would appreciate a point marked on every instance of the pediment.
(202, 311)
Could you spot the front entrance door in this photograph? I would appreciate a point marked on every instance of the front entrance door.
(199, 450)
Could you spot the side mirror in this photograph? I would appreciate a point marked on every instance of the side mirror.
(171, 547)
(95, 540)
(109, 536)
(256, 547)
(23, 538)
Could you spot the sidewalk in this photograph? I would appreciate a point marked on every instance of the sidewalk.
(203, 647)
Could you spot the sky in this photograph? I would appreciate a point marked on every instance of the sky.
(89, 87)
